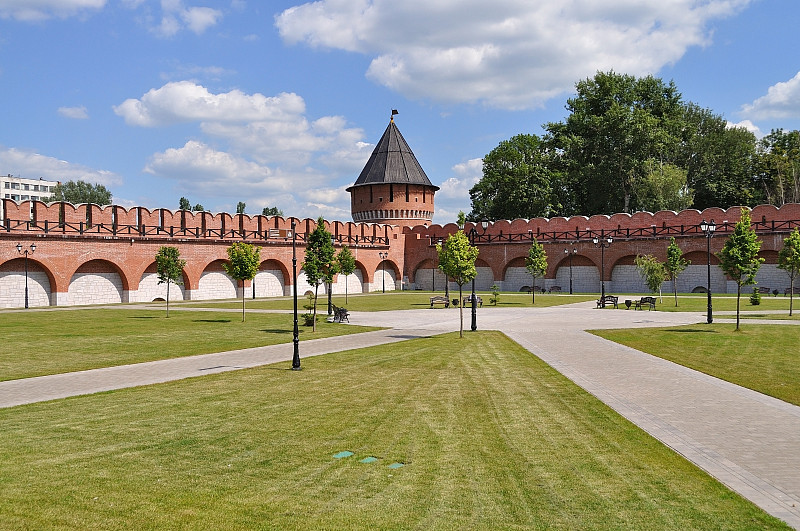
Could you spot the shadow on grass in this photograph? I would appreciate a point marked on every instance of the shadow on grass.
(276, 330)
(691, 330)
(211, 320)
(144, 317)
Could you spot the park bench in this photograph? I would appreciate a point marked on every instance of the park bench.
(650, 302)
(340, 315)
(555, 289)
(468, 298)
(764, 291)
(439, 299)
(608, 299)
(787, 290)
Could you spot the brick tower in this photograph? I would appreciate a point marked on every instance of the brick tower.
(392, 188)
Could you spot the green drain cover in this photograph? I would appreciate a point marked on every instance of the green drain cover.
(369, 459)
(396, 465)
(340, 455)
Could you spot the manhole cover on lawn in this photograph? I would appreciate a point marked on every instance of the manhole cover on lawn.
(369, 459)
(396, 465)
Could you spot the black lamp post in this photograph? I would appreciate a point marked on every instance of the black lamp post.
(473, 234)
(602, 243)
(26, 252)
(384, 256)
(708, 229)
(296, 333)
(568, 253)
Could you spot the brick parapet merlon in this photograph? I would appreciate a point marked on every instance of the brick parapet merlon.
(88, 220)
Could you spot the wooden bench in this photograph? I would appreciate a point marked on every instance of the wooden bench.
(440, 299)
(608, 299)
(787, 290)
(340, 315)
(555, 289)
(650, 302)
(764, 291)
(468, 298)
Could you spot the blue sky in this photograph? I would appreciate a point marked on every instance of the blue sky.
(280, 103)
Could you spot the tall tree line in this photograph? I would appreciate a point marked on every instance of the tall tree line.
(631, 144)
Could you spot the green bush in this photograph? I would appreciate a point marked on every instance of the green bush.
(755, 298)
(495, 295)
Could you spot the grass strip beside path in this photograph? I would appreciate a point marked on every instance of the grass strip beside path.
(53, 342)
(759, 357)
(489, 436)
(398, 300)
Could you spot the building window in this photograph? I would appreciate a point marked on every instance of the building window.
(407, 196)
(8, 185)
(370, 194)
(35, 187)
(26, 187)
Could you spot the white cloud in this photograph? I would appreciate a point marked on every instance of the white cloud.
(75, 113)
(748, 125)
(34, 165)
(781, 101)
(185, 101)
(31, 10)
(505, 53)
(175, 17)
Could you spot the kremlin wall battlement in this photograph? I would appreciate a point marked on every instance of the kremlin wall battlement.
(86, 254)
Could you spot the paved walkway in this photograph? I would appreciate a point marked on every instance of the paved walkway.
(748, 441)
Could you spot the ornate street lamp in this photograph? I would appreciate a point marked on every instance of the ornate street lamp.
(26, 252)
(473, 234)
(296, 333)
(570, 254)
(602, 243)
(708, 229)
(384, 256)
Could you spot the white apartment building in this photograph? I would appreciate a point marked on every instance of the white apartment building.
(21, 189)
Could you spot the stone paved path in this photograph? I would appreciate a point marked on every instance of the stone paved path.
(748, 441)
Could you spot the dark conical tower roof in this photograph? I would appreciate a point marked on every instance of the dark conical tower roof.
(392, 162)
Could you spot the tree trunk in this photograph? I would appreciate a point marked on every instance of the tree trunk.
(168, 283)
(738, 296)
(243, 290)
(675, 290)
(314, 321)
(791, 294)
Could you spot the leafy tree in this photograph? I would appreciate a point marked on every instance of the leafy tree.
(198, 208)
(675, 265)
(779, 166)
(461, 219)
(346, 264)
(616, 124)
(536, 264)
(789, 260)
(718, 159)
(319, 264)
(169, 267)
(739, 256)
(457, 261)
(184, 204)
(663, 187)
(652, 271)
(517, 182)
(243, 261)
(240, 206)
(77, 192)
(271, 211)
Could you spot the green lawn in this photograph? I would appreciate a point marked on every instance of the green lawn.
(759, 357)
(490, 438)
(37, 343)
(397, 300)
(699, 303)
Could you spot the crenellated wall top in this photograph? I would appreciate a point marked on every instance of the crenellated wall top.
(28, 215)
(620, 221)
